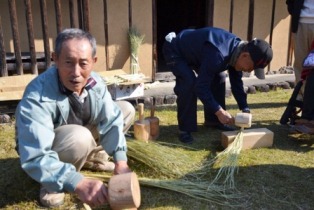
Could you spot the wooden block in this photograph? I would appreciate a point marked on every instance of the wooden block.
(252, 138)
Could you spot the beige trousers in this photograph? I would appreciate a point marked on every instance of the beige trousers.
(303, 39)
(75, 143)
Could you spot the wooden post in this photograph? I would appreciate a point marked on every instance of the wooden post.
(58, 15)
(251, 21)
(73, 14)
(3, 63)
(44, 20)
(30, 31)
(16, 38)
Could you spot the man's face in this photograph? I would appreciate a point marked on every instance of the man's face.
(75, 64)
(244, 62)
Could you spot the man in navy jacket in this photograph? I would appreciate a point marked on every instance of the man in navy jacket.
(198, 59)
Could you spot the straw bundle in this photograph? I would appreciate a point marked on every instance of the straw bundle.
(228, 160)
(164, 160)
(135, 40)
(172, 163)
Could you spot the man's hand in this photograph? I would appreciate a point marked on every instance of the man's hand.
(92, 192)
(224, 117)
(121, 167)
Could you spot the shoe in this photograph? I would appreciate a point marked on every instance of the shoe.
(99, 167)
(218, 126)
(50, 199)
(99, 155)
(99, 161)
(186, 137)
(307, 128)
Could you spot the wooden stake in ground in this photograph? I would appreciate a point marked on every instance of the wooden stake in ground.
(141, 126)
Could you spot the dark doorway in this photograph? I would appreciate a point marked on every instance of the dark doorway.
(174, 16)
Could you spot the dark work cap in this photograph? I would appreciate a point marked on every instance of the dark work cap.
(261, 54)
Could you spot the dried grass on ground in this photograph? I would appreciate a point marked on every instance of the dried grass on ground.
(280, 177)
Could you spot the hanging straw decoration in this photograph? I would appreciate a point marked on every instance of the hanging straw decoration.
(135, 41)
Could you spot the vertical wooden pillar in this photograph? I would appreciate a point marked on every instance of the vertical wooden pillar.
(3, 63)
(30, 31)
(231, 16)
(272, 26)
(210, 12)
(130, 13)
(73, 14)
(58, 15)
(16, 38)
(251, 21)
(106, 33)
(43, 10)
(155, 55)
(86, 17)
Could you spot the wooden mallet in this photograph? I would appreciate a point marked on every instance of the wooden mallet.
(154, 123)
(124, 191)
(141, 126)
(243, 120)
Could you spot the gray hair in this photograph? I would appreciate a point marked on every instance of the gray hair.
(74, 33)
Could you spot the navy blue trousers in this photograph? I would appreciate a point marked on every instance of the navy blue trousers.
(185, 90)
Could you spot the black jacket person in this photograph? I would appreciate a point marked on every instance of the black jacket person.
(198, 59)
